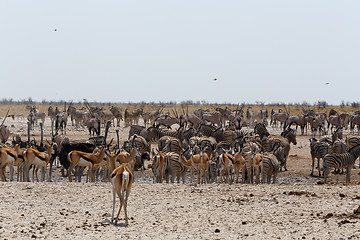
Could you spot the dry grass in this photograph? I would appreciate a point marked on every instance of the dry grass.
(20, 109)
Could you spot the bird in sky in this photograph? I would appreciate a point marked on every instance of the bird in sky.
(55, 30)
(215, 79)
(327, 83)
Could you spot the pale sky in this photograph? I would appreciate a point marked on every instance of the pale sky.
(121, 51)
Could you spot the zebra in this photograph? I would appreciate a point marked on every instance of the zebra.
(136, 129)
(288, 136)
(341, 160)
(52, 113)
(132, 117)
(173, 145)
(76, 115)
(153, 134)
(318, 150)
(140, 143)
(208, 144)
(269, 168)
(352, 141)
(116, 111)
(174, 168)
(339, 146)
(206, 130)
(213, 171)
(260, 129)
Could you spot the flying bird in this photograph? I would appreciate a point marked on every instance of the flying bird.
(55, 30)
(215, 79)
(327, 83)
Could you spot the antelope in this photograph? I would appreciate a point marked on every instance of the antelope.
(4, 133)
(334, 121)
(39, 159)
(239, 163)
(20, 163)
(158, 166)
(127, 159)
(117, 158)
(94, 126)
(354, 120)
(198, 162)
(278, 116)
(213, 117)
(121, 181)
(61, 121)
(78, 158)
(52, 113)
(252, 162)
(226, 167)
(167, 122)
(8, 156)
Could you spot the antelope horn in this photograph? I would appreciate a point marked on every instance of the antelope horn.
(182, 107)
(5, 117)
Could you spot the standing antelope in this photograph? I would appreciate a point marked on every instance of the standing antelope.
(198, 162)
(39, 159)
(8, 156)
(158, 166)
(226, 162)
(78, 158)
(121, 181)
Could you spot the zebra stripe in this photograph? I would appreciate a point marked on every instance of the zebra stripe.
(174, 168)
(341, 160)
(270, 167)
(318, 150)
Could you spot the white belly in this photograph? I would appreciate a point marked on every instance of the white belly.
(39, 162)
(84, 163)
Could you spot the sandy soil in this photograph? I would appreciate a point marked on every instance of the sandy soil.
(299, 207)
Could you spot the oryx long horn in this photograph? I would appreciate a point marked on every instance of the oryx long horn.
(182, 107)
(173, 112)
(5, 117)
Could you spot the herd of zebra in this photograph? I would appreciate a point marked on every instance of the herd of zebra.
(214, 145)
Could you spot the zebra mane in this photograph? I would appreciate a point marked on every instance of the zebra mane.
(286, 132)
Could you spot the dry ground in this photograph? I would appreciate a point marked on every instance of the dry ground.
(296, 208)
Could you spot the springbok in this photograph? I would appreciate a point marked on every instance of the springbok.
(198, 162)
(78, 158)
(158, 167)
(39, 159)
(121, 181)
(8, 156)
